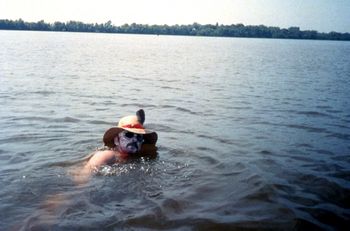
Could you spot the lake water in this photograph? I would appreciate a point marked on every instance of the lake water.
(253, 133)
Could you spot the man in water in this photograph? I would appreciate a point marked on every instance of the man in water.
(128, 139)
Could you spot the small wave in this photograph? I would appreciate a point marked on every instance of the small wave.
(265, 152)
(307, 128)
(168, 80)
(43, 93)
(240, 107)
(205, 149)
(345, 175)
(98, 122)
(328, 217)
(134, 78)
(5, 157)
(284, 188)
(161, 127)
(171, 205)
(32, 118)
(266, 161)
(67, 119)
(334, 111)
(344, 158)
(84, 141)
(209, 160)
(4, 96)
(341, 136)
(323, 151)
(102, 109)
(181, 109)
(313, 113)
(260, 192)
(305, 159)
(323, 107)
(22, 138)
(332, 191)
(171, 88)
(56, 126)
(304, 145)
(230, 170)
(138, 105)
(167, 106)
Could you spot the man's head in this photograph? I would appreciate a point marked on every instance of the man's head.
(130, 135)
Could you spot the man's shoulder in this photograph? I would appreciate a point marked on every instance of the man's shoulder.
(103, 157)
(106, 152)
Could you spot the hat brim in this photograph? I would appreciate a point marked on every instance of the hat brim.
(149, 137)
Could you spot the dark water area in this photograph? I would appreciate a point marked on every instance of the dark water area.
(253, 133)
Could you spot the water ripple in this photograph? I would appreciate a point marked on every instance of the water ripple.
(249, 138)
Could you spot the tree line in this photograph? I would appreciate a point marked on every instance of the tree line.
(195, 29)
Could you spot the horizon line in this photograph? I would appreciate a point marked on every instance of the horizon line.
(215, 24)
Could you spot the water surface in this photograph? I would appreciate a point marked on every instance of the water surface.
(253, 133)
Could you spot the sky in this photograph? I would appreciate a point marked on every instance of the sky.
(320, 15)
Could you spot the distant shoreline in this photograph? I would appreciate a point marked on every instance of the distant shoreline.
(195, 29)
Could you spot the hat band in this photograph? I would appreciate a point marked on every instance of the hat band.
(139, 126)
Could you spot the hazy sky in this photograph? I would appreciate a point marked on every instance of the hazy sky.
(321, 15)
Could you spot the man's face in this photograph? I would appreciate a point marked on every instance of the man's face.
(128, 142)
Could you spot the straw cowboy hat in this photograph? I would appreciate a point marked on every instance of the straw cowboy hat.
(132, 123)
